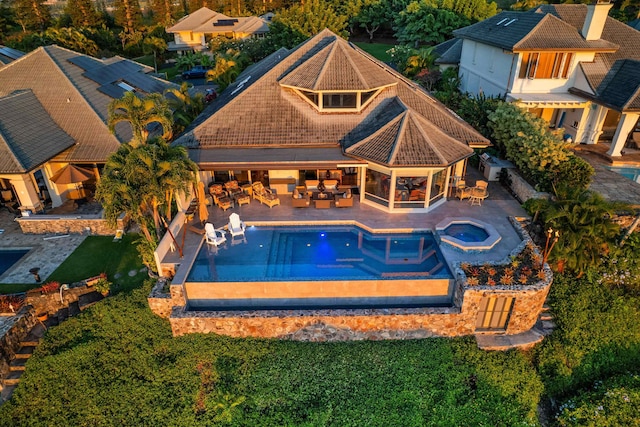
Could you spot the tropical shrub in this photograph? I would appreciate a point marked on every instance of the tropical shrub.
(614, 401)
(597, 334)
(527, 141)
(621, 266)
(584, 222)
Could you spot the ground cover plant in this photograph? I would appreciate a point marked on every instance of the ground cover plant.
(102, 368)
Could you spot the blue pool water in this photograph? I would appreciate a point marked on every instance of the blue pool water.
(467, 232)
(628, 172)
(311, 253)
(10, 257)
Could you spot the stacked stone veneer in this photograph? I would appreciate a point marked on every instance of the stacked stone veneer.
(13, 330)
(47, 224)
(522, 189)
(359, 323)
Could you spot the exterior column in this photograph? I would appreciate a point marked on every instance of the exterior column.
(625, 126)
(26, 192)
(590, 127)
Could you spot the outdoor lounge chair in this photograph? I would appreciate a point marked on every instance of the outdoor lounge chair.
(236, 226)
(264, 195)
(214, 237)
(220, 197)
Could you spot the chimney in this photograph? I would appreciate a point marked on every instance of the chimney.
(597, 13)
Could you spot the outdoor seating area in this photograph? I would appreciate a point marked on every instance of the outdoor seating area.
(300, 200)
(475, 194)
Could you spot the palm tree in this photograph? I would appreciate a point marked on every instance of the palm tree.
(228, 66)
(139, 180)
(584, 220)
(140, 113)
(185, 107)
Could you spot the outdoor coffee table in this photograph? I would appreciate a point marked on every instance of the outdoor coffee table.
(322, 200)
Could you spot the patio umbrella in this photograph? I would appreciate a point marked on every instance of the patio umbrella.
(203, 210)
(72, 174)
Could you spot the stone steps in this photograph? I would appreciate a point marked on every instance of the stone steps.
(25, 352)
(17, 364)
(523, 341)
(12, 378)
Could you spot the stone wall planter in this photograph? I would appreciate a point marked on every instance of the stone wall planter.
(522, 189)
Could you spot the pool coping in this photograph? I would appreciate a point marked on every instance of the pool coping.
(487, 244)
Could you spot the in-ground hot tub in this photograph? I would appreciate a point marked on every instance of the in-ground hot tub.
(468, 234)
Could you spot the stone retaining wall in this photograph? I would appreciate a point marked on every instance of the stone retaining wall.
(13, 330)
(522, 189)
(50, 303)
(47, 224)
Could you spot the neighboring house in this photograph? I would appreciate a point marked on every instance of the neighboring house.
(191, 32)
(570, 64)
(8, 54)
(328, 110)
(53, 112)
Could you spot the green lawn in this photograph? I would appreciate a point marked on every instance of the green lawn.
(99, 254)
(377, 50)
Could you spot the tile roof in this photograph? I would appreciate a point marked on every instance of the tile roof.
(448, 52)
(257, 111)
(337, 67)
(23, 146)
(207, 21)
(522, 31)
(409, 140)
(57, 78)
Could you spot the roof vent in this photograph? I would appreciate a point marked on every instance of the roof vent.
(510, 22)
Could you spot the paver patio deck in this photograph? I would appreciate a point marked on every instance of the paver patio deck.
(495, 210)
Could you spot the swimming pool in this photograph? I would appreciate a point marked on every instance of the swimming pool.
(309, 253)
(633, 173)
(319, 267)
(8, 257)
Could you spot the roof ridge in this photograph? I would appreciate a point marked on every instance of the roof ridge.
(382, 129)
(396, 143)
(12, 63)
(325, 65)
(544, 20)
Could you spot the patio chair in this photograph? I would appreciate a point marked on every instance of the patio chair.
(214, 236)
(236, 226)
(232, 188)
(220, 197)
(299, 200)
(264, 195)
(344, 200)
(479, 193)
(462, 191)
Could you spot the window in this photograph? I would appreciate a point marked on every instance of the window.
(493, 313)
(542, 65)
(339, 100)
(311, 96)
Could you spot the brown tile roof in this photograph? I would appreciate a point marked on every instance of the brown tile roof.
(24, 147)
(338, 67)
(410, 140)
(551, 33)
(257, 112)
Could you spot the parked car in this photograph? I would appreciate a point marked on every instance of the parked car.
(197, 72)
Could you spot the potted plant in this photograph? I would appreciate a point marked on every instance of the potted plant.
(103, 286)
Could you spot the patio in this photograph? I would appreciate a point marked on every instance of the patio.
(495, 210)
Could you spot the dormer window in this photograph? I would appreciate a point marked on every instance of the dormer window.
(342, 101)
